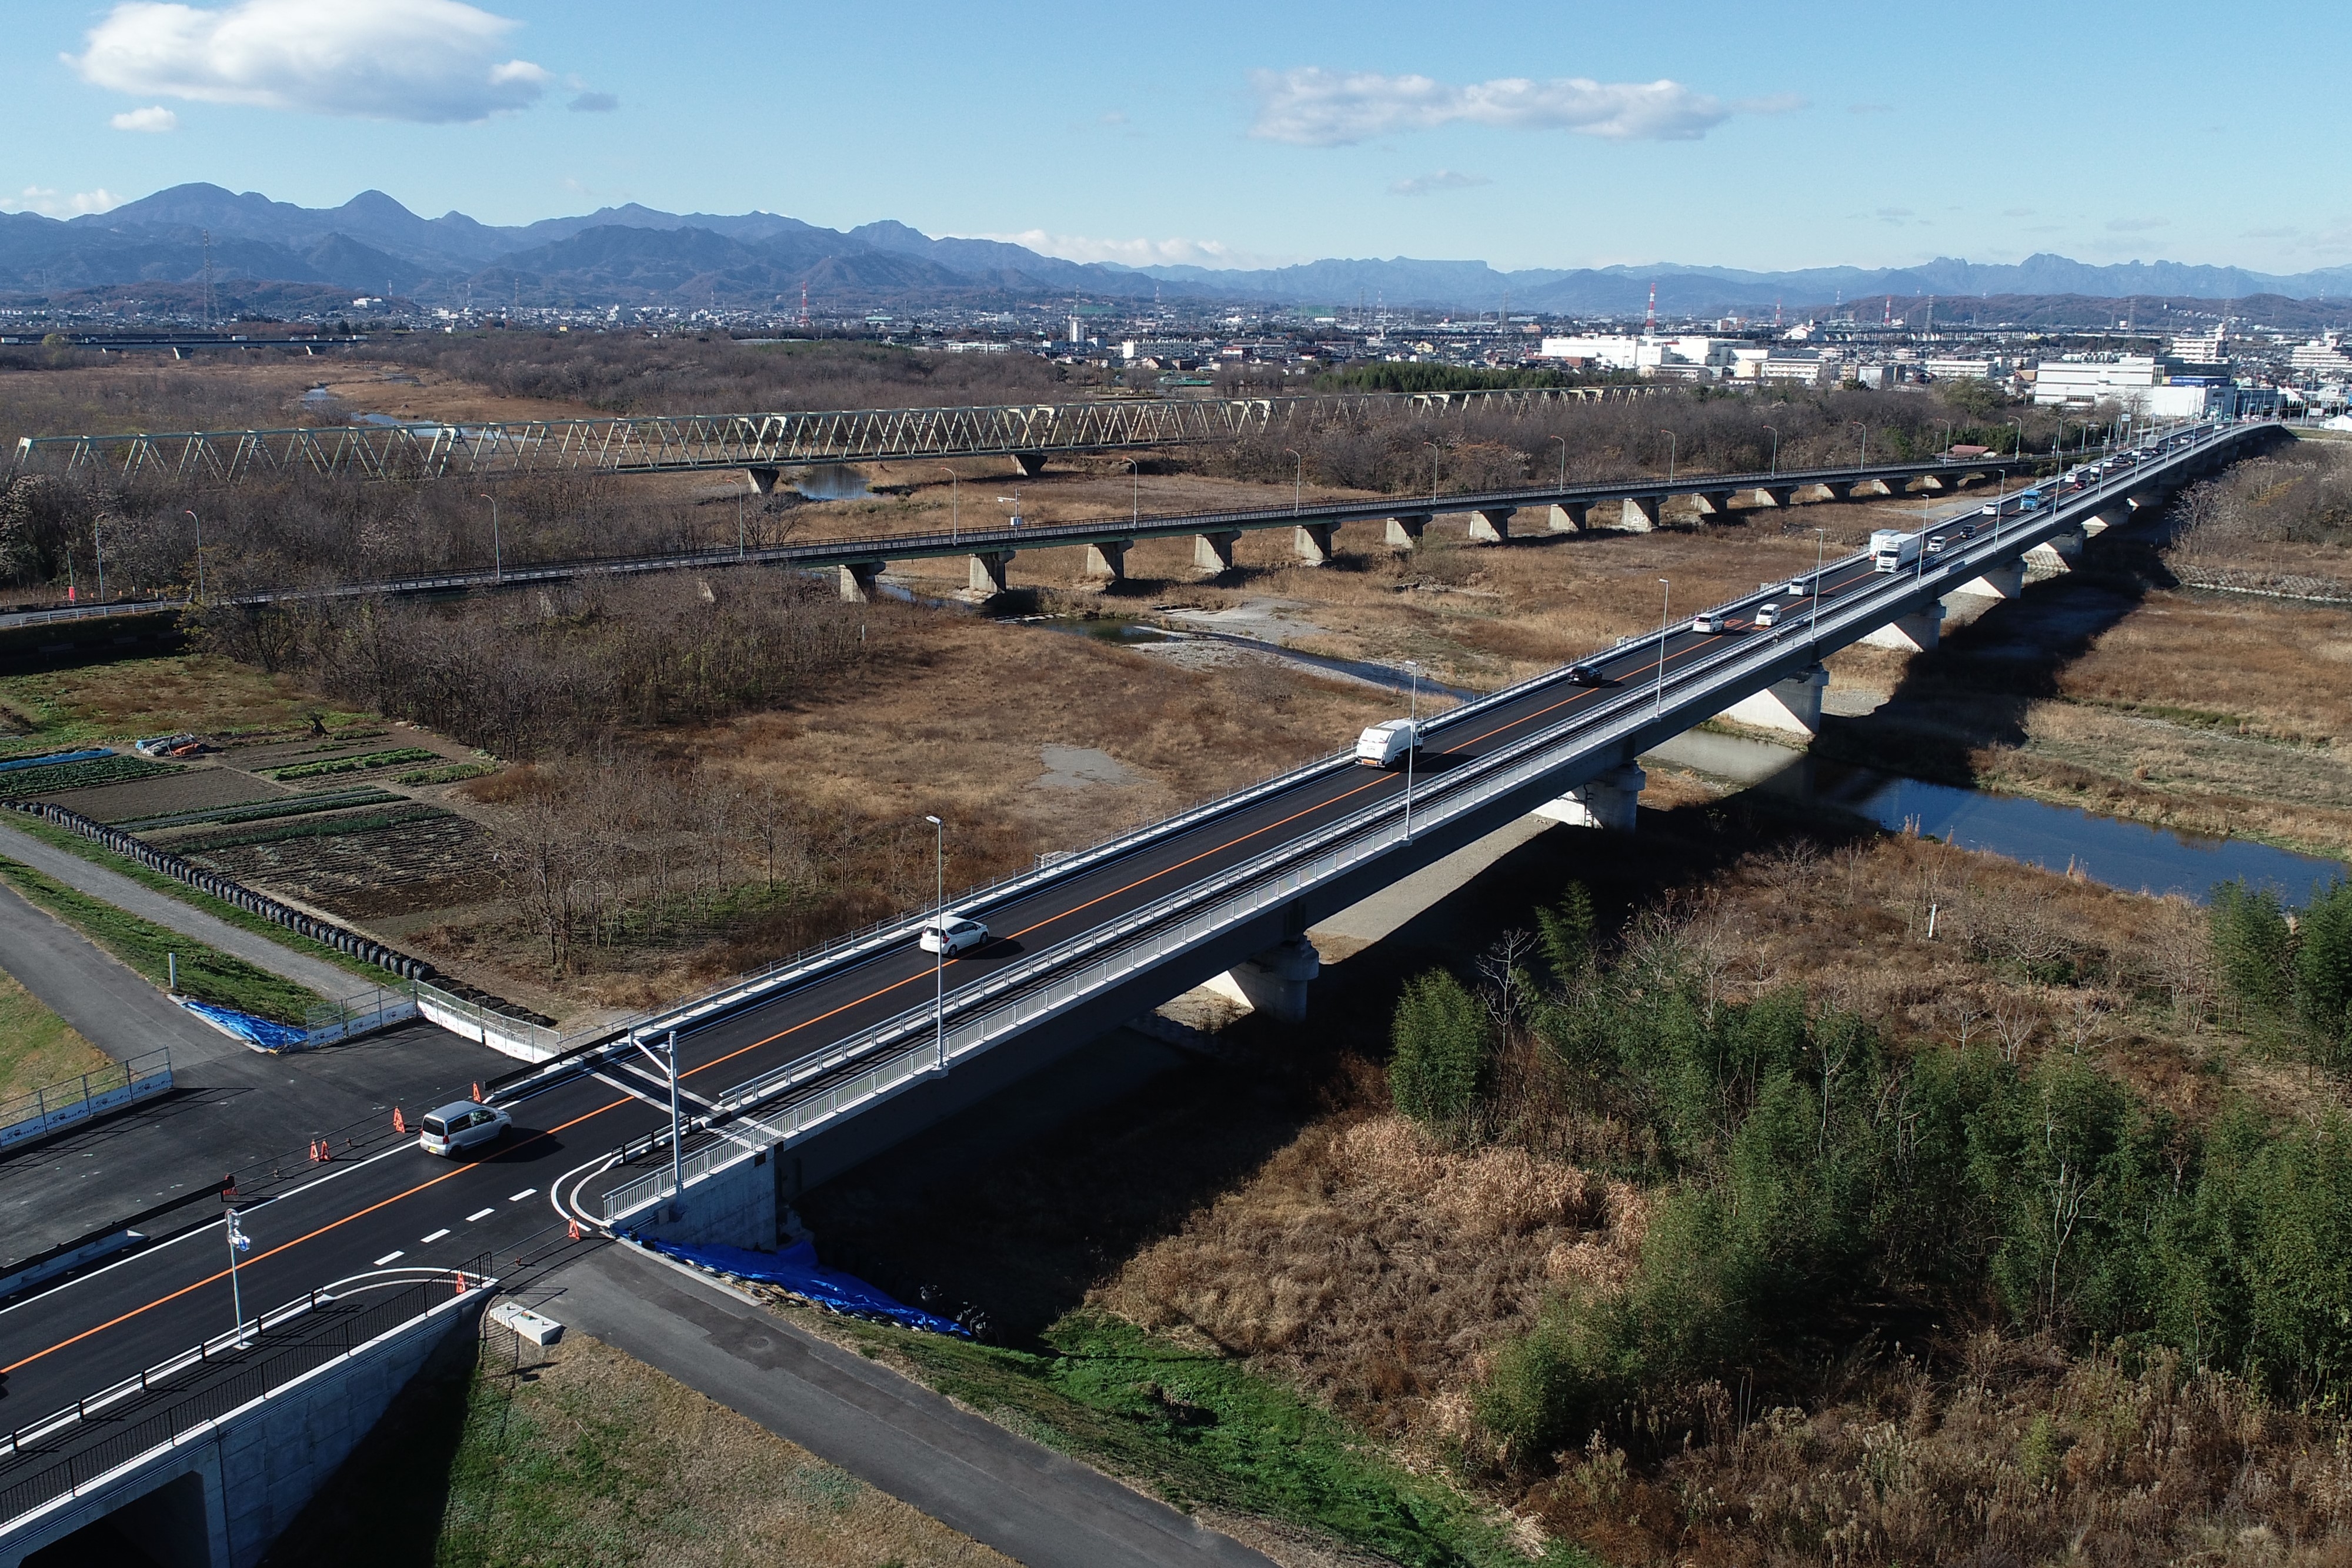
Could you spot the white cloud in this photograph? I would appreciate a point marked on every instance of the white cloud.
(1212, 253)
(1436, 180)
(432, 61)
(1314, 108)
(154, 118)
(49, 204)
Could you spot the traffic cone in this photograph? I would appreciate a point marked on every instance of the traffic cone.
(478, 1091)
(399, 1123)
(314, 1151)
(575, 1230)
(458, 1280)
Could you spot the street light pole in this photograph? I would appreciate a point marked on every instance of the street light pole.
(1414, 665)
(1820, 554)
(498, 554)
(1670, 455)
(1776, 450)
(955, 501)
(939, 944)
(1863, 460)
(1665, 620)
(1135, 493)
(1563, 460)
(1432, 469)
(1298, 479)
(200, 554)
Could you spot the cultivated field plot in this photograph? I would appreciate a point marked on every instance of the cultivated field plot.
(179, 790)
(427, 861)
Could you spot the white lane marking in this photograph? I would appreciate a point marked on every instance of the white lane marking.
(434, 1237)
(479, 1213)
(387, 1257)
(522, 1194)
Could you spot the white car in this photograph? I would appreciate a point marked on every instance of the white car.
(951, 933)
(1768, 615)
(461, 1125)
(1710, 623)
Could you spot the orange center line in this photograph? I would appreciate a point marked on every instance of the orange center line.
(313, 1236)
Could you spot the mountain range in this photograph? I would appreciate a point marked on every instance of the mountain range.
(635, 254)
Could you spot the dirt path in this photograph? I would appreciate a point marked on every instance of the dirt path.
(163, 910)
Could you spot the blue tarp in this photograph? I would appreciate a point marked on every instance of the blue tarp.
(796, 1269)
(53, 759)
(261, 1032)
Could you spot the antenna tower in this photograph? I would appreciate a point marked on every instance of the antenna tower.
(804, 315)
(1650, 317)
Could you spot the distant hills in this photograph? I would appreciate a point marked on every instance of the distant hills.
(635, 254)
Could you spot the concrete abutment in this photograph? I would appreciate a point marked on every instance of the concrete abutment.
(1611, 800)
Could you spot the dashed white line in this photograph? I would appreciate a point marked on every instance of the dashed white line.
(479, 1213)
(388, 1258)
(522, 1194)
(434, 1237)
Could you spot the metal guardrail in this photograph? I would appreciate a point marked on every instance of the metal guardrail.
(62, 1104)
(175, 1398)
(1146, 937)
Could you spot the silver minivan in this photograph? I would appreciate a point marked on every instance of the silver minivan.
(461, 1125)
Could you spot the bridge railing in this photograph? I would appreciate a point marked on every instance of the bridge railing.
(1021, 994)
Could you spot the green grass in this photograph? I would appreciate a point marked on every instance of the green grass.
(62, 777)
(298, 806)
(205, 973)
(244, 919)
(350, 765)
(1203, 1430)
(37, 1047)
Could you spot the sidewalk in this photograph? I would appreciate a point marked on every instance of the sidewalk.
(108, 1004)
(1003, 1491)
(328, 980)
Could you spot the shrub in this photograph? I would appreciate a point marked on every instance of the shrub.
(1445, 1049)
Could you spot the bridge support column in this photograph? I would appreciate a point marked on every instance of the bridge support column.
(1792, 706)
(2112, 516)
(2000, 583)
(1107, 559)
(1917, 633)
(1404, 532)
(1312, 541)
(1718, 504)
(763, 480)
(857, 579)
(1274, 981)
(1609, 801)
(1492, 525)
(988, 571)
(1568, 516)
(1032, 464)
(1213, 553)
(1782, 496)
(1638, 514)
(2057, 553)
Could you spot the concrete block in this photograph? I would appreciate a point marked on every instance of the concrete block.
(1792, 706)
(1999, 583)
(988, 571)
(1638, 514)
(527, 1324)
(1215, 552)
(1405, 533)
(1568, 516)
(1492, 525)
(1312, 541)
(857, 580)
(1274, 981)
(1609, 801)
(1918, 633)
(1107, 558)
(762, 480)
(1719, 503)
(1030, 464)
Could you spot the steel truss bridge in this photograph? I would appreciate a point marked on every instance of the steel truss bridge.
(761, 443)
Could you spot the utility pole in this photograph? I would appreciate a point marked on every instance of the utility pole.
(1413, 664)
(940, 933)
(1665, 620)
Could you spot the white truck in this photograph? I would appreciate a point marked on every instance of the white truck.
(1891, 549)
(1387, 744)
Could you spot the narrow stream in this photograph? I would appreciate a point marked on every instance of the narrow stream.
(2132, 856)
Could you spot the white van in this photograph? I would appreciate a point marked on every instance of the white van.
(460, 1125)
(1386, 744)
(1768, 615)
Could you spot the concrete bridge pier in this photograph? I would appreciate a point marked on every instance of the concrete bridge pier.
(1312, 541)
(1792, 706)
(1273, 982)
(1608, 801)
(1782, 496)
(1999, 583)
(1405, 533)
(1032, 464)
(1568, 516)
(857, 580)
(1917, 633)
(1213, 553)
(2057, 553)
(1718, 504)
(1492, 525)
(988, 571)
(763, 480)
(1639, 514)
(1107, 559)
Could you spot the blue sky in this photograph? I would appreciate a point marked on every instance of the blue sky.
(1530, 135)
